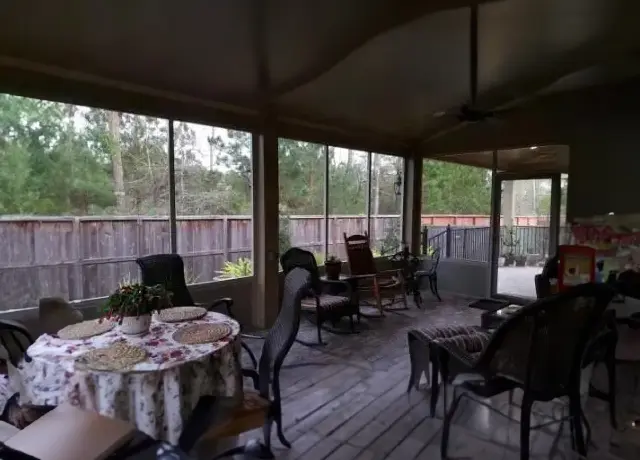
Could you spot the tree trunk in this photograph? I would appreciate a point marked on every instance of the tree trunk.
(116, 161)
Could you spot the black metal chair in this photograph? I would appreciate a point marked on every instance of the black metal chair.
(168, 270)
(541, 349)
(262, 406)
(431, 272)
(326, 306)
(15, 338)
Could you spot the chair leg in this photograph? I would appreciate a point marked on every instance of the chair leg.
(379, 304)
(281, 437)
(525, 427)
(433, 282)
(319, 330)
(435, 384)
(446, 427)
(266, 433)
(252, 357)
(575, 411)
(611, 371)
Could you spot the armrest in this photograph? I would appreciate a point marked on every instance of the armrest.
(392, 273)
(344, 284)
(253, 375)
(225, 302)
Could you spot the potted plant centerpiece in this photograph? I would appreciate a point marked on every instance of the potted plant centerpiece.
(132, 305)
(333, 267)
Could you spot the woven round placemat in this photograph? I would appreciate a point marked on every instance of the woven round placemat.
(201, 333)
(116, 357)
(176, 314)
(85, 329)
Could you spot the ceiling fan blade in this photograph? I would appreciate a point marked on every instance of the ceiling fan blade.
(473, 54)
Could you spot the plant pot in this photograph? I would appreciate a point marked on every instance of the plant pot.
(521, 261)
(135, 325)
(509, 259)
(333, 270)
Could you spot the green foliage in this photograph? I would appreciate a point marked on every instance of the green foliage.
(391, 242)
(241, 267)
(135, 300)
(284, 235)
(450, 188)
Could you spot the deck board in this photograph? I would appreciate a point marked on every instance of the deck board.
(354, 404)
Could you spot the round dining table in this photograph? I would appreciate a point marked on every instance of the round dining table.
(157, 395)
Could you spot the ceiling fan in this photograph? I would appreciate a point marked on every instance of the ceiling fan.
(470, 112)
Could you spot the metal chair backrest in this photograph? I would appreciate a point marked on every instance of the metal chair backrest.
(297, 257)
(543, 345)
(15, 339)
(283, 333)
(167, 270)
(434, 260)
(359, 255)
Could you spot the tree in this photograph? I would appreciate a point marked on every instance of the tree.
(450, 188)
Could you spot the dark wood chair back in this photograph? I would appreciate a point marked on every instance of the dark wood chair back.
(359, 255)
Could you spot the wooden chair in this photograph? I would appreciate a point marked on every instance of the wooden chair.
(325, 306)
(262, 406)
(168, 270)
(385, 287)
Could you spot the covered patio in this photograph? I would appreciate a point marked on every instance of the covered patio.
(224, 133)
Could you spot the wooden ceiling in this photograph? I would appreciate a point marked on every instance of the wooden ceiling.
(373, 74)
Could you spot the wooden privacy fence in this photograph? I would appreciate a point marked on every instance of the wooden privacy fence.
(86, 257)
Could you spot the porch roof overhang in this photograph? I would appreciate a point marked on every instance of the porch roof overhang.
(368, 74)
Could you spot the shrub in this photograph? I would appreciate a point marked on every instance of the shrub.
(239, 268)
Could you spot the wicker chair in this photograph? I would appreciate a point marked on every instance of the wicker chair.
(385, 287)
(325, 306)
(54, 313)
(263, 407)
(540, 349)
(168, 270)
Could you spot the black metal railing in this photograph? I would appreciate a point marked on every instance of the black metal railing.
(472, 243)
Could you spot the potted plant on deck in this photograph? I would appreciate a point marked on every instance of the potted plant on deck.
(509, 243)
(333, 267)
(132, 305)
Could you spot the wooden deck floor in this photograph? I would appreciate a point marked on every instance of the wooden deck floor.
(350, 400)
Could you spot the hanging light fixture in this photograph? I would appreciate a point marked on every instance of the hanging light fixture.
(397, 185)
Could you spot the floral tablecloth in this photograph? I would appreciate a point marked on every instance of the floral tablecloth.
(157, 395)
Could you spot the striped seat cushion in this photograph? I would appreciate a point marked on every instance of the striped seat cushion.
(430, 333)
(466, 348)
(327, 302)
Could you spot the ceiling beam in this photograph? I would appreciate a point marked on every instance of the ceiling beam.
(397, 15)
